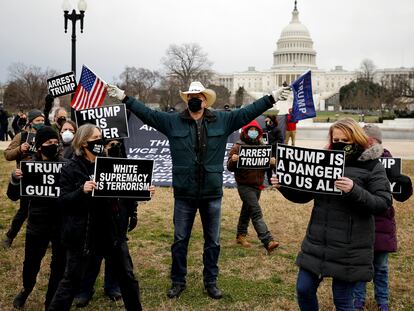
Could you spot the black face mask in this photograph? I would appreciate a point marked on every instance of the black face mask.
(347, 147)
(60, 121)
(115, 151)
(50, 151)
(96, 146)
(194, 104)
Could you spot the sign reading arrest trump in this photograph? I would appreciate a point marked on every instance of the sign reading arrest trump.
(123, 178)
(312, 170)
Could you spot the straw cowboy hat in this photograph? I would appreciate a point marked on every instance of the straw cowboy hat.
(195, 88)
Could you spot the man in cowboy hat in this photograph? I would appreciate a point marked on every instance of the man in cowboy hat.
(198, 138)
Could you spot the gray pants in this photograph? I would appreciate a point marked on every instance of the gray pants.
(252, 210)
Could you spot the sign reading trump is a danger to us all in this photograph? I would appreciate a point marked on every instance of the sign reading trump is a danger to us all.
(311, 170)
(123, 178)
(40, 178)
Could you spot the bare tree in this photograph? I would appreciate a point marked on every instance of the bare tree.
(366, 70)
(139, 82)
(169, 94)
(27, 86)
(186, 63)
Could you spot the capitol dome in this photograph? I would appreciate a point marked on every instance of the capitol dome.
(295, 46)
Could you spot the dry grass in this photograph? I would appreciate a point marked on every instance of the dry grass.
(250, 279)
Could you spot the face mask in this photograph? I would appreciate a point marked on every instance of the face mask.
(60, 121)
(50, 151)
(38, 126)
(114, 151)
(194, 104)
(96, 146)
(347, 147)
(67, 136)
(252, 134)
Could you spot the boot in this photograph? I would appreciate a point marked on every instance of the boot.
(6, 242)
(271, 246)
(242, 240)
(20, 299)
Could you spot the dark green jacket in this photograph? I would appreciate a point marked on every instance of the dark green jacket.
(198, 178)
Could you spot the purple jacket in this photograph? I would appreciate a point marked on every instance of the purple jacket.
(385, 226)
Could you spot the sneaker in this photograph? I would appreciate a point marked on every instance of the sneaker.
(214, 292)
(359, 305)
(113, 295)
(6, 242)
(383, 307)
(242, 240)
(20, 299)
(82, 301)
(175, 291)
(271, 246)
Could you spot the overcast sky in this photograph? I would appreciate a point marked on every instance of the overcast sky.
(234, 33)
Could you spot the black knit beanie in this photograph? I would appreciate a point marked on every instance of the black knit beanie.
(44, 134)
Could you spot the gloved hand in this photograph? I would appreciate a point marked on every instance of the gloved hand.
(281, 93)
(114, 91)
(133, 221)
(49, 99)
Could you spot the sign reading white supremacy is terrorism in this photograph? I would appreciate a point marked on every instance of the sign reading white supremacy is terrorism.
(61, 85)
(393, 169)
(40, 178)
(123, 178)
(112, 120)
(312, 170)
(145, 142)
(254, 157)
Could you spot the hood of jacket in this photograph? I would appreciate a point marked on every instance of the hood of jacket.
(374, 151)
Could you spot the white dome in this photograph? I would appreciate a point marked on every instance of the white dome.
(295, 46)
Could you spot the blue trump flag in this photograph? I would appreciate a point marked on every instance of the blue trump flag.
(303, 106)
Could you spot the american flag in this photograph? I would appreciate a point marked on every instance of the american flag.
(91, 91)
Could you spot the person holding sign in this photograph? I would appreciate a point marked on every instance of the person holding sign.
(43, 224)
(340, 235)
(250, 185)
(385, 232)
(20, 148)
(198, 138)
(91, 224)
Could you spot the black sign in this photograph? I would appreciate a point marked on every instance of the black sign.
(31, 141)
(62, 85)
(123, 178)
(111, 119)
(146, 142)
(254, 157)
(311, 170)
(393, 169)
(40, 178)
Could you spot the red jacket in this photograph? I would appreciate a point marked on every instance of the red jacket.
(290, 126)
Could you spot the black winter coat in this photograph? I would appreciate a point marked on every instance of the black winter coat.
(89, 223)
(339, 240)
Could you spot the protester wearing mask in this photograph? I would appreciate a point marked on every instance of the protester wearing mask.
(275, 136)
(43, 224)
(67, 132)
(385, 232)
(18, 150)
(128, 212)
(339, 239)
(19, 122)
(198, 138)
(91, 224)
(250, 186)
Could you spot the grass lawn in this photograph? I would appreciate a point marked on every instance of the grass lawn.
(250, 279)
(332, 116)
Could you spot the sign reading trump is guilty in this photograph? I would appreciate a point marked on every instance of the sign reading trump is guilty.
(311, 170)
(123, 178)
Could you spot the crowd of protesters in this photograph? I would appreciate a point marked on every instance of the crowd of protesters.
(348, 236)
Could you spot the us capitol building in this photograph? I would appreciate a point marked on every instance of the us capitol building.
(294, 55)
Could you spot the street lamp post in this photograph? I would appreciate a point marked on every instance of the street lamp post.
(73, 17)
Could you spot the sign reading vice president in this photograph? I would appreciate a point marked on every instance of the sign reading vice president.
(123, 178)
(312, 170)
(112, 120)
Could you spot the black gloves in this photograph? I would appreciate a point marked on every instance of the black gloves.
(48, 103)
(133, 221)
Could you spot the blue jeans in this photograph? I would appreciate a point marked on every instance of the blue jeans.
(307, 285)
(185, 211)
(380, 280)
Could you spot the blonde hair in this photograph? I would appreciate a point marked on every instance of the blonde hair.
(81, 137)
(352, 130)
